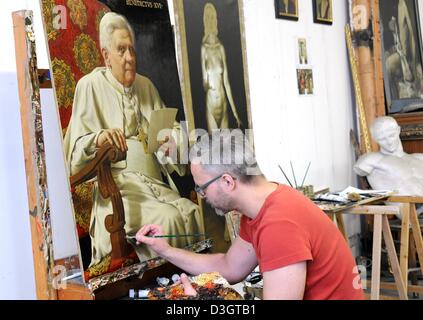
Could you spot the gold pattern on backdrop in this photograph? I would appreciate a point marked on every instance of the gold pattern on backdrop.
(83, 202)
(48, 6)
(78, 13)
(86, 53)
(98, 17)
(64, 82)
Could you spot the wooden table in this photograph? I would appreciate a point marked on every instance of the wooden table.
(375, 207)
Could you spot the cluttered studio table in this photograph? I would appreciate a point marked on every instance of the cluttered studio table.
(378, 206)
(335, 204)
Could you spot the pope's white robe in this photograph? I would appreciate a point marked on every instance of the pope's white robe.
(101, 102)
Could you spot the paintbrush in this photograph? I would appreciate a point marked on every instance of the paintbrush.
(286, 177)
(302, 183)
(133, 240)
(295, 180)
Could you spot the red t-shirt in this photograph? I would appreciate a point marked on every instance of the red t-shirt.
(289, 229)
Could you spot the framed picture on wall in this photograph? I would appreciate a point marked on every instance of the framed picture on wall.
(305, 82)
(402, 55)
(286, 9)
(302, 51)
(322, 11)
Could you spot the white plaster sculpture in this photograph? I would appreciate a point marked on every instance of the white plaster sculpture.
(391, 168)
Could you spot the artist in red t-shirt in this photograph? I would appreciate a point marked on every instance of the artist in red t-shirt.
(291, 231)
(301, 253)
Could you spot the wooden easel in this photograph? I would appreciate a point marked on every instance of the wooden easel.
(409, 218)
(39, 213)
(381, 227)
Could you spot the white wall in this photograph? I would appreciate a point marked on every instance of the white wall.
(302, 129)
(7, 54)
(289, 127)
(16, 265)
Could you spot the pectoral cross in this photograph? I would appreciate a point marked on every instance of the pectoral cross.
(143, 138)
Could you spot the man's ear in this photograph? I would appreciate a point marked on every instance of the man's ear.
(228, 181)
(105, 55)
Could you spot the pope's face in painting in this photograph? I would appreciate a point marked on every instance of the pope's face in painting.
(121, 57)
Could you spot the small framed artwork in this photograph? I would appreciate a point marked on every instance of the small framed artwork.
(302, 51)
(286, 9)
(322, 11)
(305, 82)
(402, 55)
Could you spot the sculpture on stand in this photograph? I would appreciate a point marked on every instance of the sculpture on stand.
(391, 168)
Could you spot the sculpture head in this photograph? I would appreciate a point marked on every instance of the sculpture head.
(117, 47)
(386, 132)
(210, 20)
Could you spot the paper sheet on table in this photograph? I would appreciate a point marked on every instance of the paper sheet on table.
(360, 191)
(159, 120)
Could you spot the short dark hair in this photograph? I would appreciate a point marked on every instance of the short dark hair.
(226, 151)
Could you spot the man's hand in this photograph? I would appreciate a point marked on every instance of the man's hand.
(145, 235)
(114, 137)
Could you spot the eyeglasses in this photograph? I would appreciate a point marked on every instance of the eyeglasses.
(201, 189)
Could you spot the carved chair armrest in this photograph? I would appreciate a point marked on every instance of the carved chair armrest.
(106, 155)
(100, 167)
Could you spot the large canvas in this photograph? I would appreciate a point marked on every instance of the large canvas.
(402, 55)
(214, 77)
(72, 27)
(206, 63)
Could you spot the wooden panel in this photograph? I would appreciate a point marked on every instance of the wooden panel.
(36, 177)
(75, 292)
(376, 257)
(392, 254)
(413, 146)
(411, 131)
(405, 236)
(377, 60)
(366, 73)
(392, 286)
(417, 234)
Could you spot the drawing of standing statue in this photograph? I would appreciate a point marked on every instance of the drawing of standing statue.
(215, 75)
